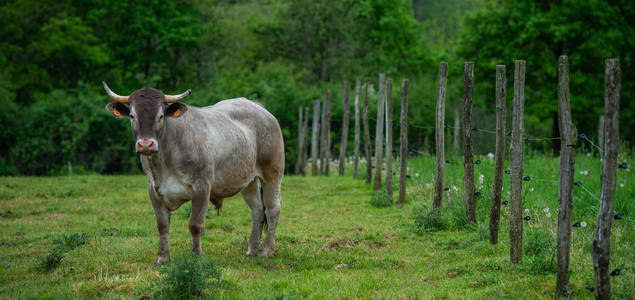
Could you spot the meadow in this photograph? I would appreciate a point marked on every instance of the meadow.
(331, 242)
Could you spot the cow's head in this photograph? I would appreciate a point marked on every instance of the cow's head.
(146, 110)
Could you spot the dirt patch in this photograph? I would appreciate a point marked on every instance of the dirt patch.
(341, 244)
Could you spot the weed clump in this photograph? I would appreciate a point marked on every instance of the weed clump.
(427, 219)
(64, 244)
(381, 199)
(188, 277)
(540, 250)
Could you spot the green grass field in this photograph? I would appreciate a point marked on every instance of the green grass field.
(331, 243)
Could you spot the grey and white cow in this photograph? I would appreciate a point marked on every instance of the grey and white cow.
(206, 154)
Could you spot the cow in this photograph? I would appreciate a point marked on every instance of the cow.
(206, 154)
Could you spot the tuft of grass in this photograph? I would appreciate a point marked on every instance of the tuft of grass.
(64, 244)
(427, 219)
(278, 297)
(190, 277)
(381, 199)
(539, 247)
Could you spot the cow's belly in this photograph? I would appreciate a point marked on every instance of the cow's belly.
(173, 192)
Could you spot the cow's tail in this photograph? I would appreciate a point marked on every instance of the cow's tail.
(262, 195)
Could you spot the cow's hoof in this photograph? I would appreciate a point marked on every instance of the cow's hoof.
(161, 260)
(267, 253)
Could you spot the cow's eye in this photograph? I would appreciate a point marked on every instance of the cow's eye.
(132, 117)
(161, 117)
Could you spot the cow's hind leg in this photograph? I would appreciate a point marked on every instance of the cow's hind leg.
(272, 201)
(252, 196)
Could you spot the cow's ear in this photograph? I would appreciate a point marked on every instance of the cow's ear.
(175, 110)
(118, 109)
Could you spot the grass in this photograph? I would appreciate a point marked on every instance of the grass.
(331, 242)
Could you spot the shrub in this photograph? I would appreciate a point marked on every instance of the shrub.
(381, 199)
(427, 219)
(455, 215)
(188, 277)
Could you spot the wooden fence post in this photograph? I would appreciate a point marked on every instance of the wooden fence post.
(440, 135)
(298, 162)
(329, 101)
(315, 135)
(358, 85)
(568, 140)
(601, 133)
(457, 130)
(323, 136)
(601, 248)
(403, 146)
(389, 140)
(516, 159)
(305, 131)
(367, 147)
(468, 164)
(499, 164)
(344, 140)
(379, 133)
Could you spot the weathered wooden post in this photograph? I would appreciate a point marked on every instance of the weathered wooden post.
(468, 164)
(367, 147)
(298, 163)
(344, 140)
(601, 133)
(601, 248)
(516, 159)
(305, 125)
(499, 163)
(358, 85)
(440, 135)
(327, 153)
(323, 137)
(315, 135)
(379, 133)
(389, 140)
(403, 146)
(457, 130)
(568, 140)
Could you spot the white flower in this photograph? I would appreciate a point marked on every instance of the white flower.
(588, 154)
(427, 185)
(455, 188)
(546, 210)
(526, 210)
(490, 155)
(621, 185)
(416, 174)
(584, 172)
(583, 224)
(548, 215)
(531, 189)
(480, 179)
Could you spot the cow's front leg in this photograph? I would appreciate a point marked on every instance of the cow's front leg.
(163, 225)
(200, 202)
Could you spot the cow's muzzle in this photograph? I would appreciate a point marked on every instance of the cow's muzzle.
(147, 146)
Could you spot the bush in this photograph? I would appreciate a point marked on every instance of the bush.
(188, 277)
(65, 243)
(427, 219)
(381, 199)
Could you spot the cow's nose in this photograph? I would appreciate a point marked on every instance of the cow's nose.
(145, 146)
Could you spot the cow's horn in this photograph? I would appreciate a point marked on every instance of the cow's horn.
(121, 99)
(177, 98)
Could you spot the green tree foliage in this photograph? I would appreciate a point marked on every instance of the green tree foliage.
(539, 32)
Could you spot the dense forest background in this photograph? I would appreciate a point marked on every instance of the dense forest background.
(285, 54)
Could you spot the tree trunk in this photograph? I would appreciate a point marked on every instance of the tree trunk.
(403, 146)
(379, 133)
(499, 164)
(440, 136)
(344, 140)
(516, 159)
(327, 136)
(468, 164)
(601, 248)
(358, 85)
(298, 162)
(389, 140)
(305, 131)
